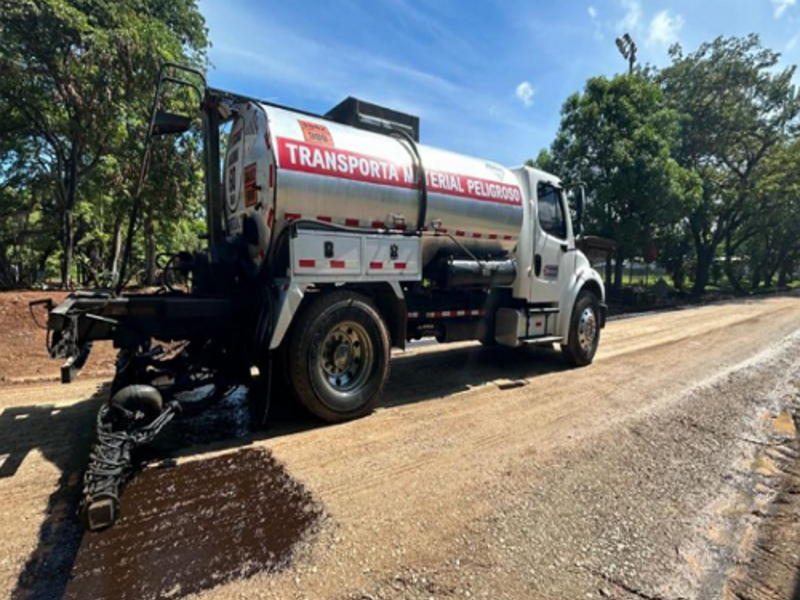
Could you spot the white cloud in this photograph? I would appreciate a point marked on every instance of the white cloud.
(633, 15)
(790, 45)
(664, 29)
(596, 23)
(525, 93)
(781, 6)
(269, 57)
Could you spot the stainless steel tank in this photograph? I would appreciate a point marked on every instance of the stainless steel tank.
(283, 165)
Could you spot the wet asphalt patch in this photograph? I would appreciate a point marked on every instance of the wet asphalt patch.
(194, 526)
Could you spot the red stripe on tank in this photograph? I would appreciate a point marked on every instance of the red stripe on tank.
(345, 164)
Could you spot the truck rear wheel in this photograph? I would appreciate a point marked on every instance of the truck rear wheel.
(338, 359)
(584, 331)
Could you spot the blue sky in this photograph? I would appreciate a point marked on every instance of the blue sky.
(486, 78)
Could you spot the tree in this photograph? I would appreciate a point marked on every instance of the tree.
(772, 242)
(75, 78)
(543, 161)
(736, 107)
(617, 137)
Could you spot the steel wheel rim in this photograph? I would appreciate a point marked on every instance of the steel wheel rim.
(587, 329)
(345, 359)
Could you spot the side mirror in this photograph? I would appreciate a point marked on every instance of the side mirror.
(581, 202)
(169, 123)
(579, 191)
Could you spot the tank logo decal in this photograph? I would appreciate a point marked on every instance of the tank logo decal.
(316, 134)
(344, 164)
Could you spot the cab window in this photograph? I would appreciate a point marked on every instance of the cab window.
(551, 211)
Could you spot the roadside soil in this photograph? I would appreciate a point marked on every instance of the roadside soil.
(23, 352)
(665, 470)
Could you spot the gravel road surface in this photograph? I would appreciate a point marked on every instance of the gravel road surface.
(486, 473)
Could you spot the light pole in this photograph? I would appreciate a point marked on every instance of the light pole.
(627, 47)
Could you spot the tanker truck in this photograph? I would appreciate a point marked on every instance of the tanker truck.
(331, 240)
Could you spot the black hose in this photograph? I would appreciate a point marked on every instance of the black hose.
(423, 181)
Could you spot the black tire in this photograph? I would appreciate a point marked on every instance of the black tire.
(584, 331)
(338, 356)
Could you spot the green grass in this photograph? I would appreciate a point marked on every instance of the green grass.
(641, 280)
(722, 286)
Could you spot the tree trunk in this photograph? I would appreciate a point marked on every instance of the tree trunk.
(756, 278)
(783, 276)
(150, 248)
(6, 279)
(705, 254)
(619, 265)
(771, 272)
(677, 278)
(68, 239)
(730, 271)
(41, 267)
(67, 243)
(117, 249)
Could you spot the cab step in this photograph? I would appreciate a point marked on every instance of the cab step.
(542, 339)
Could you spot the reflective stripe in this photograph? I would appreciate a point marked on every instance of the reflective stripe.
(449, 314)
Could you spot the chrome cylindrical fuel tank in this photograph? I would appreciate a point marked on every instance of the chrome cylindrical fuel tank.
(283, 165)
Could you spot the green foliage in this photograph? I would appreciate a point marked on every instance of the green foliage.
(736, 108)
(701, 158)
(76, 82)
(770, 239)
(544, 161)
(617, 137)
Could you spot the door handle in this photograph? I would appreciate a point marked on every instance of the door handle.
(537, 264)
(564, 248)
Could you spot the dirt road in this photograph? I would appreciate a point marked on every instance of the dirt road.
(486, 473)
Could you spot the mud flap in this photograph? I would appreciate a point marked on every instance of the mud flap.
(259, 395)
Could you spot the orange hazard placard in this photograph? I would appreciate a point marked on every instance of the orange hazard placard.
(316, 134)
(250, 185)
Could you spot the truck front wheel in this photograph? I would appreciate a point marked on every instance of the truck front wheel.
(338, 357)
(584, 331)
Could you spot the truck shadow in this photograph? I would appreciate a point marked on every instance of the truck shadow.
(61, 565)
(415, 377)
(63, 436)
(430, 375)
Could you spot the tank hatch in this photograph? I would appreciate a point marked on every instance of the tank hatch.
(372, 117)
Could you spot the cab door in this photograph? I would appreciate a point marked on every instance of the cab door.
(553, 244)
